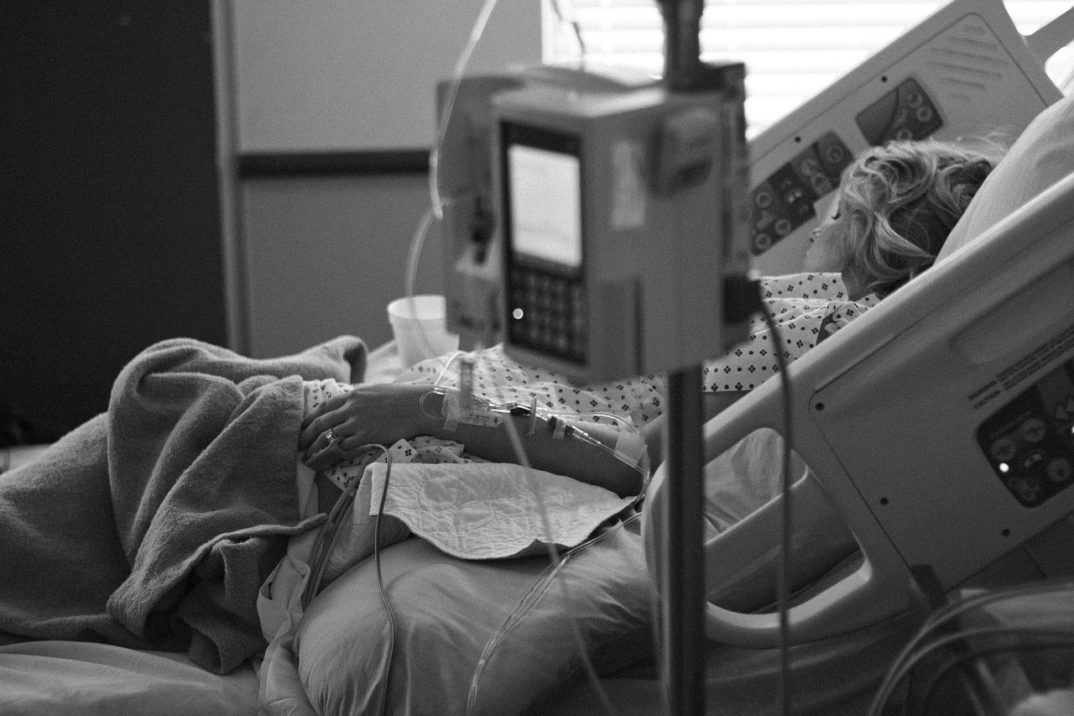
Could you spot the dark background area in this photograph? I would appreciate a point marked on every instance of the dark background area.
(109, 218)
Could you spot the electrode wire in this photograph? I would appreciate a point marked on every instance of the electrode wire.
(392, 628)
(329, 533)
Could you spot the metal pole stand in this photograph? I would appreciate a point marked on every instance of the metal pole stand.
(683, 590)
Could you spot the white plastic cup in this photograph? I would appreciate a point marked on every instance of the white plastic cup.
(419, 324)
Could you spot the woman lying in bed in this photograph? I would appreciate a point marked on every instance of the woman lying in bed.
(894, 209)
(156, 523)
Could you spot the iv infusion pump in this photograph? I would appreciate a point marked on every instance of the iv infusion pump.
(612, 203)
(594, 151)
(608, 199)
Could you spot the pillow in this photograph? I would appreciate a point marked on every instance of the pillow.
(511, 617)
(1041, 156)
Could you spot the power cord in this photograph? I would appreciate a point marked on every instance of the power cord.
(325, 543)
(330, 531)
(392, 628)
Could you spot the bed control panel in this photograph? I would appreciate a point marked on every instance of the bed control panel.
(907, 112)
(1030, 441)
(785, 200)
(932, 81)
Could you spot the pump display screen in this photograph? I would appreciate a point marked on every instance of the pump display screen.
(546, 218)
(542, 201)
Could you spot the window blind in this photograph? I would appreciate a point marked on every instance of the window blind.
(791, 49)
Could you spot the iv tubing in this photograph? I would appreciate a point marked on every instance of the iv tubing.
(557, 563)
(486, 414)
(449, 104)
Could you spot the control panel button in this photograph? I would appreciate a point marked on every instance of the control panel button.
(785, 199)
(1004, 449)
(1028, 440)
(906, 112)
(1033, 430)
(1064, 410)
(548, 312)
(1029, 490)
(1059, 469)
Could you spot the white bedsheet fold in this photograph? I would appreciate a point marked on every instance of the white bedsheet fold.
(492, 510)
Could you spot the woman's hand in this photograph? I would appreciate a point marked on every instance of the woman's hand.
(377, 413)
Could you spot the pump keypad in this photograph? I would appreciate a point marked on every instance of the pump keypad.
(1030, 441)
(548, 313)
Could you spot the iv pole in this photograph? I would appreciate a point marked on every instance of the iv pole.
(682, 592)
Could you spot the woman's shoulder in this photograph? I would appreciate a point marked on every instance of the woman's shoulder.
(807, 286)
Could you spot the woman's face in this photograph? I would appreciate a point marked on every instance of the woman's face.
(826, 246)
(827, 251)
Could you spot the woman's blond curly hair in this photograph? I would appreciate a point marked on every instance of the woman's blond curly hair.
(901, 201)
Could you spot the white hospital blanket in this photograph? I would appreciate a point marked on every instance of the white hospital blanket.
(492, 510)
(470, 510)
(71, 678)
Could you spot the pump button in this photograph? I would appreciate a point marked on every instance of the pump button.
(1003, 449)
(1033, 430)
(1059, 469)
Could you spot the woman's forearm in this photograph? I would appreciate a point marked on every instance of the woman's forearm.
(545, 450)
(384, 413)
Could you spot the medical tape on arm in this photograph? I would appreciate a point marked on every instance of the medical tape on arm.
(479, 413)
(629, 449)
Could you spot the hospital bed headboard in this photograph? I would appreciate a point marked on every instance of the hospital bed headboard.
(964, 71)
(940, 424)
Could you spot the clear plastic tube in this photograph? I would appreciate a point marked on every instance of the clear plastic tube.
(437, 212)
(457, 75)
(483, 413)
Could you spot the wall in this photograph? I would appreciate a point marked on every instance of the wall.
(333, 115)
(109, 223)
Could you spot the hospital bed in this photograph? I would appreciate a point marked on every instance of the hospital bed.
(502, 635)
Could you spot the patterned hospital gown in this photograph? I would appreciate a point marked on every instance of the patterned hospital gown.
(501, 381)
(807, 308)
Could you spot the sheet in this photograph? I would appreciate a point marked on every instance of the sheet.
(477, 637)
(64, 678)
(492, 510)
